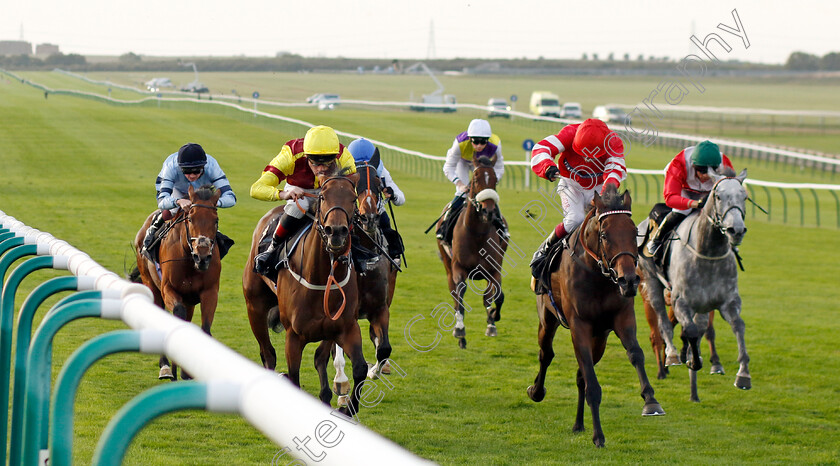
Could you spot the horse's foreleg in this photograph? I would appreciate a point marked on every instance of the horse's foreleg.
(294, 350)
(714, 358)
(625, 329)
(322, 356)
(545, 338)
(732, 313)
(492, 295)
(351, 341)
(656, 341)
(341, 384)
(588, 349)
(457, 288)
(656, 298)
(209, 301)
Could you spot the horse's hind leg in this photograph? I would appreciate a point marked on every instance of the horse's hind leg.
(294, 350)
(492, 297)
(322, 356)
(545, 337)
(379, 336)
(341, 384)
(625, 329)
(351, 341)
(731, 311)
(714, 359)
(655, 337)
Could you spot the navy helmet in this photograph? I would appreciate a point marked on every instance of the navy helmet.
(191, 155)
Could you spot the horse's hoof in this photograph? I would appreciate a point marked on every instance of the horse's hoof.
(491, 331)
(343, 402)
(459, 332)
(653, 409)
(185, 375)
(373, 373)
(742, 382)
(462, 343)
(717, 369)
(341, 388)
(386, 368)
(673, 360)
(166, 373)
(535, 395)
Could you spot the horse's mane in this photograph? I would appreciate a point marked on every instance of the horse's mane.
(205, 192)
(611, 199)
(484, 161)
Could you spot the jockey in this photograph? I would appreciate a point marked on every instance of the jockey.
(687, 182)
(190, 166)
(364, 151)
(299, 162)
(477, 141)
(589, 156)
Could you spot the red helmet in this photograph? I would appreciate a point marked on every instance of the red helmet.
(591, 138)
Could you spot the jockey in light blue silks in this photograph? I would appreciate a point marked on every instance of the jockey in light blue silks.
(190, 166)
(365, 152)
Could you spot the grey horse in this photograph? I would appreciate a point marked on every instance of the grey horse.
(703, 276)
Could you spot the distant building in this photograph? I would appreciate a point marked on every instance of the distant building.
(15, 47)
(45, 50)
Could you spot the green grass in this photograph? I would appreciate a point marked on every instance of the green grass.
(84, 171)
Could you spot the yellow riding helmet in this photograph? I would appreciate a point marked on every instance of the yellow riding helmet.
(321, 140)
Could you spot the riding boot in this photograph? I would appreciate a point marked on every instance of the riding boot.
(501, 226)
(671, 220)
(267, 261)
(453, 209)
(151, 233)
(541, 252)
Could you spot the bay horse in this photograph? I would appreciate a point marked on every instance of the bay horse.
(594, 288)
(703, 276)
(376, 282)
(316, 298)
(190, 265)
(477, 250)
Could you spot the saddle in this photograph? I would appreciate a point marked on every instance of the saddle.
(289, 245)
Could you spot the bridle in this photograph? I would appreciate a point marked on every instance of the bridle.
(607, 267)
(716, 219)
(475, 199)
(190, 239)
(370, 192)
(319, 220)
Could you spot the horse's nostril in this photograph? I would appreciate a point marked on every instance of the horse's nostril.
(342, 230)
(328, 230)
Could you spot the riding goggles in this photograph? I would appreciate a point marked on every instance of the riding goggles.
(703, 169)
(192, 170)
(479, 141)
(321, 159)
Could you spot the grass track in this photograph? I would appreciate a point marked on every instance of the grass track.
(84, 172)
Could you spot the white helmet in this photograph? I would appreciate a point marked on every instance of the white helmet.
(479, 128)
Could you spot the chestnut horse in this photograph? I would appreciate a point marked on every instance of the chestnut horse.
(477, 250)
(594, 289)
(190, 264)
(316, 297)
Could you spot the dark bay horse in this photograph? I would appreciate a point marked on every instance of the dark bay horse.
(316, 298)
(594, 289)
(376, 282)
(477, 250)
(703, 276)
(190, 265)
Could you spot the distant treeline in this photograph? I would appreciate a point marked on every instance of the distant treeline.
(798, 61)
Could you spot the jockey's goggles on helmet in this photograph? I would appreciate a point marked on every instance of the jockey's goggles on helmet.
(703, 169)
(479, 140)
(192, 170)
(321, 159)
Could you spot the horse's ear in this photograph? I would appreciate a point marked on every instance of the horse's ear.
(626, 200)
(217, 193)
(191, 191)
(597, 201)
(742, 176)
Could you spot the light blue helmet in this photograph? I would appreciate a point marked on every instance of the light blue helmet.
(364, 151)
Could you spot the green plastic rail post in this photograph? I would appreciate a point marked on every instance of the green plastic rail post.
(111, 448)
(24, 333)
(7, 311)
(39, 362)
(64, 395)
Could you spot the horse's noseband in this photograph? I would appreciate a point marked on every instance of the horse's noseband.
(716, 219)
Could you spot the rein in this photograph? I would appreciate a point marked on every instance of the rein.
(606, 267)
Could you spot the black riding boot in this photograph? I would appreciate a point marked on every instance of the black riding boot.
(671, 221)
(267, 261)
(541, 252)
(151, 233)
(454, 207)
(500, 224)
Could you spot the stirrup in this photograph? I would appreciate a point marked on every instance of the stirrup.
(653, 247)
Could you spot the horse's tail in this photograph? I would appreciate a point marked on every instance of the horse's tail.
(134, 275)
(274, 319)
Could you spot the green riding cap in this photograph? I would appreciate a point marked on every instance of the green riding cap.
(706, 154)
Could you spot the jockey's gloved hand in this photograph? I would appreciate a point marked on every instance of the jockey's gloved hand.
(702, 201)
(552, 172)
(387, 190)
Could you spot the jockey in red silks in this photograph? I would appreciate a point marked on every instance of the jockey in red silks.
(584, 158)
(687, 182)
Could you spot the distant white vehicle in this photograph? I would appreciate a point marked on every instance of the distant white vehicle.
(498, 107)
(325, 101)
(571, 110)
(609, 114)
(157, 84)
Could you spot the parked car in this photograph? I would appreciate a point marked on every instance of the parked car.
(545, 103)
(609, 114)
(324, 101)
(498, 107)
(571, 110)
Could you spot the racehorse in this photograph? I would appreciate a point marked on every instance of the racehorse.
(703, 276)
(477, 250)
(594, 289)
(190, 265)
(316, 297)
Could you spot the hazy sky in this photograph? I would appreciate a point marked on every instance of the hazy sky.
(401, 29)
